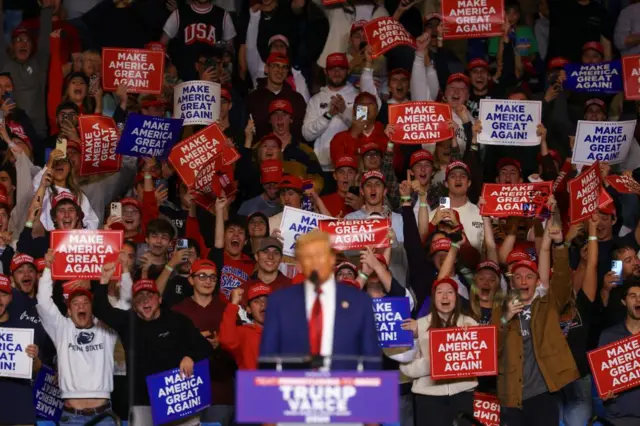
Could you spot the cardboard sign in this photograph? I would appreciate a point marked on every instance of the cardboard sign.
(80, 254)
(383, 34)
(173, 397)
(145, 136)
(46, 395)
(14, 361)
(602, 141)
(420, 122)
(458, 353)
(357, 234)
(194, 152)
(196, 102)
(140, 69)
(472, 18)
(615, 366)
(624, 184)
(604, 77)
(486, 409)
(99, 136)
(631, 77)
(316, 397)
(509, 122)
(518, 199)
(296, 222)
(389, 313)
(584, 193)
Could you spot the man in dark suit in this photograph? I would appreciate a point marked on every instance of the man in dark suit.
(320, 316)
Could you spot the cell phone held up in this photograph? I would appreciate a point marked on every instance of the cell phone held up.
(616, 268)
(116, 209)
(61, 145)
(182, 243)
(445, 203)
(354, 190)
(362, 112)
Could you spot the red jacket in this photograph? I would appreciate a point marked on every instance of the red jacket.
(242, 341)
(344, 144)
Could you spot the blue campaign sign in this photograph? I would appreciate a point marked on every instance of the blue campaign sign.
(145, 136)
(389, 313)
(173, 397)
(316, 397)
(46, 395)
(605, 77)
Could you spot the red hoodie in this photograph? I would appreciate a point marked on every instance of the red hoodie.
(242, 341)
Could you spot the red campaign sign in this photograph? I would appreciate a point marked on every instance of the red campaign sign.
(100, 138)
(631, 77)
(205, 201)
(229, 155)
(140, 69)
(456, 352)
(584, 193)
(80, 254)
(624, 184)
(486, 409)
(357, 234)
(420, 122)
(383, 34)
(615, 367)
(472, 18)
(604, 198)
(195, 152)
(332, 2)
(518, 199)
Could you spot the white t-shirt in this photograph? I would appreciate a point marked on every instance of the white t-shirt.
(173, 23)
(471, 222)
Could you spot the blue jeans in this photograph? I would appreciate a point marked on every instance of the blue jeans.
(71, 419)
(575, 405)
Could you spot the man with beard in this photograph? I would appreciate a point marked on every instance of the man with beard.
(205, 310)
(160, 233)
(482, 86)
(273, 87)
(243, 341)
(623, 409)
(612, 292)
(29, 68)
(267, 202)
(24, 274)
(230, 239)
(268, 255)
(16, 405)
(173, 282)
(162, 340)
(84, 348)
(330, 111)
(342, 201)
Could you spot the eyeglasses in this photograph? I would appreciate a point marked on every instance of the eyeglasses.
(68, 115)
(205, 277)
(279, 66)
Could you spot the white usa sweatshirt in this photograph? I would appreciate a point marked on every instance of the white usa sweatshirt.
(85, 356)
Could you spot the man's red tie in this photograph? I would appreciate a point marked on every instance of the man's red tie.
(315, 325)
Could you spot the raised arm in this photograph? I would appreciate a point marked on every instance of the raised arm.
(115, 318)
(590, 281)
(49, 314)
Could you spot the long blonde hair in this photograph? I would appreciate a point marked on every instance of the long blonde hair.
(71, 184)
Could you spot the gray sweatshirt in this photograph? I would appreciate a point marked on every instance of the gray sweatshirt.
(30, 78)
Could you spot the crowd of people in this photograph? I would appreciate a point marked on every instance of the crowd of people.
(213, 281)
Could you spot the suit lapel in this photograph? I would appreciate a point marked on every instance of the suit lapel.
(298, 318)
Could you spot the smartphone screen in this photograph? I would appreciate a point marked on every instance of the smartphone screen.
(61, 145)
(116, 209)
(354, 190)
(616, 268)
(182, 244)
(445, 203)
(362, 112)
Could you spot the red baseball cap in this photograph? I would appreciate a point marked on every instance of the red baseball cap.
(337, 60)
(445, 280)
(277, 58)
(5, 284)
(155, 46)
(280, 105)
(399, 71)
(362, 96)
(70, 290)
(352, 283)
(19, 260)
(202, 264)
(270, 137)
(258, 289)
(40, 264)
(477, 63)
(441, 244)
(372, 174)
(130, 201)
(596, 101)
(517, 255)
(593, 45)
(225, 94)
(64, 196)
(456, 165)
(278, 37)
(458, 76)
(145, 285)
(20, 30)
(371, 146)
(557, 62)
(358, 25)
(349, 265)
(290, 182)
(488, 264)
(271, 171)
(347, 161)
(507, 161)
(420, 155)
(149, 100)
(529, 264)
